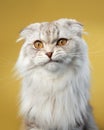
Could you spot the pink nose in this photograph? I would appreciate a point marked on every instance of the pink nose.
(49, 54)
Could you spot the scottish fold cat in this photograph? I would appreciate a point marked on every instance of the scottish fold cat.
(54, 65)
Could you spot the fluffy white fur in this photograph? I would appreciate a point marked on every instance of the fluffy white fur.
(55, 95)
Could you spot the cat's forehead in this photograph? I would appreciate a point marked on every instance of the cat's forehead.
(49, 31)
(54, 31)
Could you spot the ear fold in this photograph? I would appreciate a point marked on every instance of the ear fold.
(26, 32)
(74, 26)
(77, 28)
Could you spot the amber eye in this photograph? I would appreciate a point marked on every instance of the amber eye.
(62, 42)
(38, 44)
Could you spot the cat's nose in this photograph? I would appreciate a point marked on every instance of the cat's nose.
(49, 54)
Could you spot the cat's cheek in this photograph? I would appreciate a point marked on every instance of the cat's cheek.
(26, 62)
(23, 65)
(40, 61)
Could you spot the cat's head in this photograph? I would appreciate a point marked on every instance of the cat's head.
(52, 46)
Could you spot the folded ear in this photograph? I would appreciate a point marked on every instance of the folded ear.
(24, 34)
(27, 32)
(74, 26)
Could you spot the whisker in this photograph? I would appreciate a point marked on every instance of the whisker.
(97, 52)
(17, 74)
(76, 54)
(4, 61)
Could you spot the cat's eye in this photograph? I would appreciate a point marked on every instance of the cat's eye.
(61, 42)
(38, 44)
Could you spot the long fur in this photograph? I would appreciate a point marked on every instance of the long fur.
(55, 95)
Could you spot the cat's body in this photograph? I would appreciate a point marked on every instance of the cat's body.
(55, 69)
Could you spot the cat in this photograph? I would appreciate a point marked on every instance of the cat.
(54, 66)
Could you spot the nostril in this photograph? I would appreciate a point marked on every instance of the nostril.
(49, 54)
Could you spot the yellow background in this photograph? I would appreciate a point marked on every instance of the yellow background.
(15, 15)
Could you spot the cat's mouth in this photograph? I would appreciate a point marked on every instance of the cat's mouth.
(54, 61)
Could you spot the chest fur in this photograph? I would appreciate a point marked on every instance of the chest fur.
(53, 101)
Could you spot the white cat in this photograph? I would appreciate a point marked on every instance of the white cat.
(54, 65)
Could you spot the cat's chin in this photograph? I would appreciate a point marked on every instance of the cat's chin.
(53, 66)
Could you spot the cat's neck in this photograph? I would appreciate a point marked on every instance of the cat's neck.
(43, 74)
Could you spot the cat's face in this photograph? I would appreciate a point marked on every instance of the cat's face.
(51, 46)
